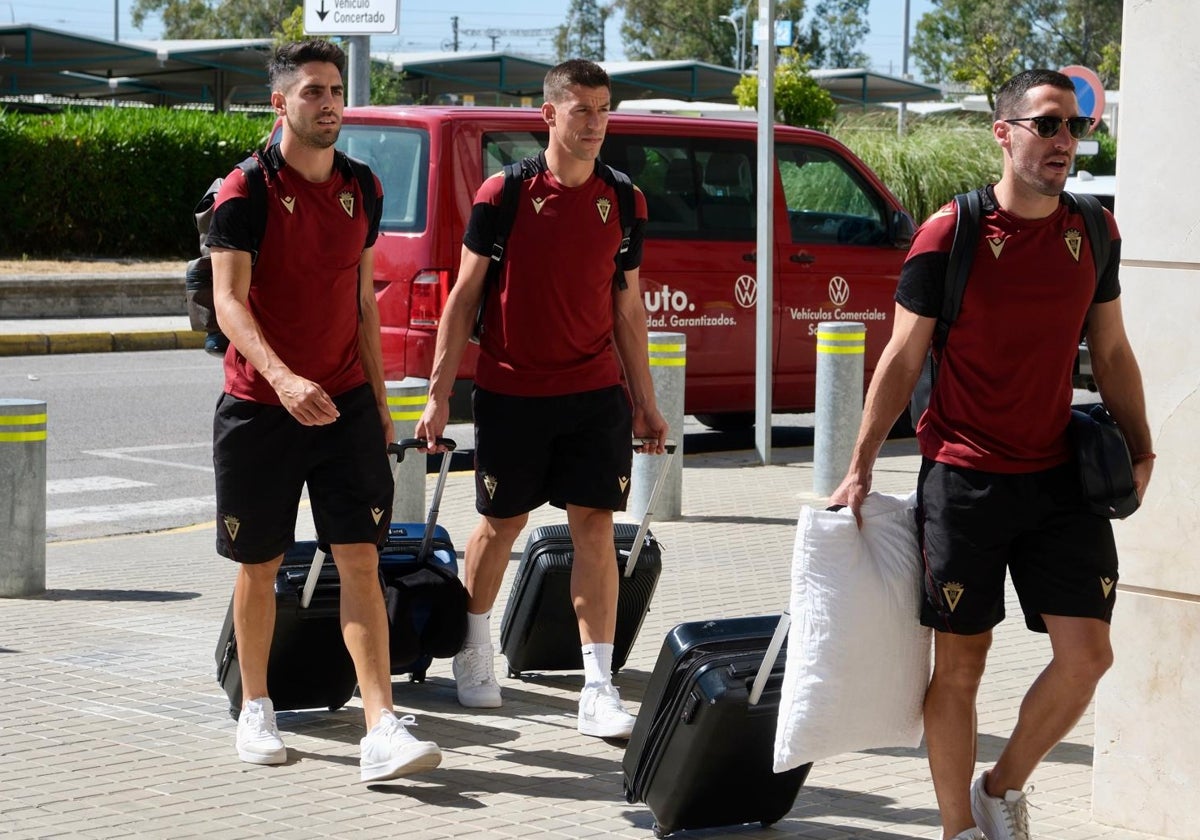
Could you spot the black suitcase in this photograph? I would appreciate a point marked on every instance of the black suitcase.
(309, 666)
(539, 631)
(701, 753)
(426, 601)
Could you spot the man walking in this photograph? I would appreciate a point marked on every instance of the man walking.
(997, 489)
(305, 401)
(553, 422)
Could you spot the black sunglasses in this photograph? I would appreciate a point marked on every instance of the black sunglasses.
(1047, 127)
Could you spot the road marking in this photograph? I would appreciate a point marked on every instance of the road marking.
(131, 453)
(90, 484)
(198, 505)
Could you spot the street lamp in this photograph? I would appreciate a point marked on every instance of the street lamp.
(735, 20)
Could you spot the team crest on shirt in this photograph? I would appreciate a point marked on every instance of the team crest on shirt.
(232, 524)
(346, 199)
(537, 203)
(1073, 239)
(1107, 584)
(952, 591)
(289, 203)
(604, 206)
(997, 244)
(489, 484)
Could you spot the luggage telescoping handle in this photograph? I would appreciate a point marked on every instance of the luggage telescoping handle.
(769, 657)
(636, 549)
(398, 449)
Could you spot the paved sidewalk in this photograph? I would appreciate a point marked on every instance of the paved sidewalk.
(112, 724)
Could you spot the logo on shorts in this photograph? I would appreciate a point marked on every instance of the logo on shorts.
(232, 524)
(1107, 585)
(624, 482)
(952, 591)
(489, 484)
(1073, 239)
(376, 514)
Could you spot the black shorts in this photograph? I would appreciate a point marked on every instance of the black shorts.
(974, 525)
(574, 449)
(263, 458)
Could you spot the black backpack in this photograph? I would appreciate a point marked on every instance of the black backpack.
(198, 278)
(969, 209)
(515, 174)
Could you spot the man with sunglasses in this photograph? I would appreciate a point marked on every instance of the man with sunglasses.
(997, 490)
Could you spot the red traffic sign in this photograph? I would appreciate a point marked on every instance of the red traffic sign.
(1089, 90)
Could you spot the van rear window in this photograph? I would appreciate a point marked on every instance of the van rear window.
(400, 158)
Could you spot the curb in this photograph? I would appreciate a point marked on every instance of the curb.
(39, 344)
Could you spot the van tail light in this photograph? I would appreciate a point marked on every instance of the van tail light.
(430, 288)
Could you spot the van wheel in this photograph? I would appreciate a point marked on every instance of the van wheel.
(732, 421)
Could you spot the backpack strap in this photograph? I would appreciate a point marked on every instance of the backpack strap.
(623, 187)
(515, 174)
(366, 186)
(1099, 240)
(256, 174)
(962, 253)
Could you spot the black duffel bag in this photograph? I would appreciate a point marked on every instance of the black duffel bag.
(1105, 468)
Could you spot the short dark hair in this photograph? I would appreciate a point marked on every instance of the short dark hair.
(1012, 92)
(290, 57)
(576, 71)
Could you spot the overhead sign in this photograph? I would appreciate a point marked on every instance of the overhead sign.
(351, 17)
(1089, 90)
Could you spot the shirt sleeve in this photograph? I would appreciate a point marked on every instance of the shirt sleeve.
(373, 222)
(637, 235)
(230, 226)
(923, 276)
(1109, 286)
(481, 227)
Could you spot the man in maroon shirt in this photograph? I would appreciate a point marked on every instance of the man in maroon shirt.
(552, 419)
(305, 401)
(997, 489)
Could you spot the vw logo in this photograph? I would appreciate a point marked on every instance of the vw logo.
(745, 291)
(839, 291)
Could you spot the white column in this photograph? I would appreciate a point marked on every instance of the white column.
(1147, 752)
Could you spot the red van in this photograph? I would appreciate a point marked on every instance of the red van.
(840, 238)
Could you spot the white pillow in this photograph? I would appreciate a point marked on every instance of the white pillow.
(857, 656)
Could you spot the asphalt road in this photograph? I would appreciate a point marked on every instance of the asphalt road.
(129, 445)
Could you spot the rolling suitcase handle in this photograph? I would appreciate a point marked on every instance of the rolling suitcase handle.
(640, 537)
(398, 450)
(769, 657)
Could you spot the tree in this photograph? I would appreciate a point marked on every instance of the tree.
(582, 36)
(693, 29)
(216, 18)
(982, 43)
(799, 100)
(835, 32)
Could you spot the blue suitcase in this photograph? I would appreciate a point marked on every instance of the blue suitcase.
(426, 601)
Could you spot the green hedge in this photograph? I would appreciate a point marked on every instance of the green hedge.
(113, 181)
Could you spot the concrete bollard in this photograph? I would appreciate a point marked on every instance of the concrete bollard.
(23, 500)
(841, 347)
(406, 400)
(668, 357)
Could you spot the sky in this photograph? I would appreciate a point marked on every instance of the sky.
(425, 25)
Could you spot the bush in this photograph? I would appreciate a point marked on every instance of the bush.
(934, 160)
(114, 181)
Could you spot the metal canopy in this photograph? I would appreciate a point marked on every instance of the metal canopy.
(35, 60)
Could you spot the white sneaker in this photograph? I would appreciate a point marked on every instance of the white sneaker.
(1004, 818)
(475, 677)
(970, 834)
(389, 751)
(258, 740)
(601, 713)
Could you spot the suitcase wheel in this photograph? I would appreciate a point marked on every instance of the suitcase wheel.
(514, 675)
(417, 677)
(658, 832)
(235, 713)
